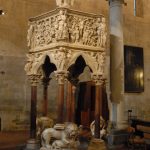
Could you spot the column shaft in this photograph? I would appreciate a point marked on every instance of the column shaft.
(33, 112)
(98, 111)
(116, 61)
(60, 104)
(68, 102)
(73, 104)
(45, 100)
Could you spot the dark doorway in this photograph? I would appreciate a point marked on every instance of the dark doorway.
(85, 101)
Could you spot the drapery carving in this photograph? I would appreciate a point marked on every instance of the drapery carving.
(69, 27)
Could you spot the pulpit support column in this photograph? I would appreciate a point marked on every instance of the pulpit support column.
(45, 96)
(32, 143)
(60, 76)
(98, 103)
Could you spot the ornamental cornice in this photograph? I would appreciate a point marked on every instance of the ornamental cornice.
(72, 46)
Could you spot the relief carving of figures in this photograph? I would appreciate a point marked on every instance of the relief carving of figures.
(72, 28)
(33, 61)
(99, 58)
(60, 58)
(62, 29)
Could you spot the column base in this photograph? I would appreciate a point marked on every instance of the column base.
(117, 138)
(97, 144)
(32, 144)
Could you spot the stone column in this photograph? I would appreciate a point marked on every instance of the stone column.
(32, 143)
(116, 61)
(45, 96)
(98, 103)
(60, 76)
(73, 104)
(68, 102)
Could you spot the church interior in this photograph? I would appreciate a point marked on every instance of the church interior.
(74, 67)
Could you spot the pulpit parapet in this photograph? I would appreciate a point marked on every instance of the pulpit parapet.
(67, 28)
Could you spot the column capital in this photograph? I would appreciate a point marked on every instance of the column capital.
(61, 76)
(97, 78)
(34, 79)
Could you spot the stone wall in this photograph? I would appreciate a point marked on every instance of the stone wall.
(136, 33)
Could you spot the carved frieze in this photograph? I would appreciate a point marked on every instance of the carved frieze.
(69, 27)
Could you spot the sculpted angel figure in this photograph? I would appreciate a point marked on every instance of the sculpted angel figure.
(64, 3)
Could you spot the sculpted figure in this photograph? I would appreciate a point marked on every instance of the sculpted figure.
(64, 138)
(101, 31)
(61, 32)
(30, 36)
(102, 127)
(43, 123)
(64, 3)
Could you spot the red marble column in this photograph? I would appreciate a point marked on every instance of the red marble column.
(98, 110)
(73, 104)
(68, 102)
(33, 112)
(45, 96)
(60, 76)
(98, 104)
(60, 104)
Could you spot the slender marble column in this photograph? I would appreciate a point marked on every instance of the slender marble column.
(45, 96)
(116, 61)
(68, 102)
(73, 104)
(98, 103)
(60, 76)
(32, 143)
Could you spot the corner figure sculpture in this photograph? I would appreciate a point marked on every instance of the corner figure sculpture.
(63, 138)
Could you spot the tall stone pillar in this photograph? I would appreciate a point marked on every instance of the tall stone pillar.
(116, 61)
(98, 103)
(60, 76)
(45, 96)
(32, 144)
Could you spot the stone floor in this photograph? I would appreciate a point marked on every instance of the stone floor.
(17, 141)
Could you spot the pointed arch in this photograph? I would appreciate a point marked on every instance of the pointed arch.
(87, 58)
(38, 62)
